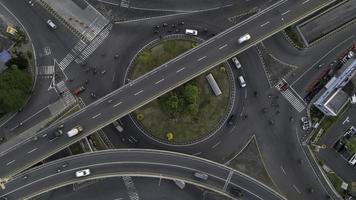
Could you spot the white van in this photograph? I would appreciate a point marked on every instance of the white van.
(352, 160)
(191, 32)
(180, 184)
(201, 175)
(242, 81)
(51, 24)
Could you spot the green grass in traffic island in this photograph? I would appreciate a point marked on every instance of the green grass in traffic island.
(191, 111)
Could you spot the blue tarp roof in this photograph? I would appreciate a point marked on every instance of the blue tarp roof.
(5, 56)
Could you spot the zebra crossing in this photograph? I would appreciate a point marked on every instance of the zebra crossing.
(94, 44)
(65, 93)
(71, 55)
(95, 28)
(46, 70)
(294, 100)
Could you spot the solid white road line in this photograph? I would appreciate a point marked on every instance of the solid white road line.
(264, 24)
(116, 104)
(32, 150)
(179, 70)
(200, 59)
(159, 81)
(96, 116)
(9, 163)
(225, 45)
(137, 93)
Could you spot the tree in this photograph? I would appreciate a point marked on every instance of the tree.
(351, 145)
(193, 109)
(191, 94)
(15, 85)
(20, 61)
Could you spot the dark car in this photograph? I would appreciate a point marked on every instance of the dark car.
(231, 120)
(79, 90)
(236, 191)
(132, 140)
(339, 145)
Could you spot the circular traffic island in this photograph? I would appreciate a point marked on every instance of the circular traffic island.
(189, 113)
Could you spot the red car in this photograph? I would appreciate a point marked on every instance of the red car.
(79, 90)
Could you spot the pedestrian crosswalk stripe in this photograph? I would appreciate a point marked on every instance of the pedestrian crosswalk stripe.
(292, 99)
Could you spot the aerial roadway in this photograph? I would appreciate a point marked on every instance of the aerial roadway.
(136, 162)
(23, 152)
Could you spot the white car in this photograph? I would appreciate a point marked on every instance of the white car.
(352, 160)
(236, 62)
(242, 81)
(244, 38)
(191, 32)
(82, 173)
(51, 24)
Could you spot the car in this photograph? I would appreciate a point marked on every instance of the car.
(352, 160)
(191, 32)
(236, 62)
(231, 120)
(201, 175)
(79, 90)
(242, 81)
(59, 133)
(64, 165)
(179, 183)
(82, 173)
(350, 132)
(236, 191)
(304, 119)
(51, 24)
(339, 145)
(305, 127)
(244, 38)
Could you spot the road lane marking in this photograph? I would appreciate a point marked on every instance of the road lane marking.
(137, 93)
(215, 145)
(32, 150)
(195, 154)
(9, 163)
(159, 81)
(296, 189)
(228, 180)
(200, 59)
(116, 104)
(284, 171)
(264, 24)
(179, 70)
(285, 12)
(229, 5)
(225, 45)
(96, 116)
(304, 2)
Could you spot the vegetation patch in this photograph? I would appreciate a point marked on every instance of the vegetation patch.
(15, 86)
(187, 113)
(293, 35)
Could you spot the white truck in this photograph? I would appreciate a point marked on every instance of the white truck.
(74, 131)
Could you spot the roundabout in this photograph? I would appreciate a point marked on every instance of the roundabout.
(191, 112)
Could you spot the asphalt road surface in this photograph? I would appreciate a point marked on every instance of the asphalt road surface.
(146, 88)
(135, 162)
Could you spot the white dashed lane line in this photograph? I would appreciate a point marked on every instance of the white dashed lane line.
(117, 104)
(9, 163)
(32, 150)
(225, 45)
(200, 59)
(159, 81)
(181, 69)
(286, 12)
(264, 24)
(137, 93)
(96, 116)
